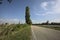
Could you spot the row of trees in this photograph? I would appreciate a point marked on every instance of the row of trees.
(47, 23)
(52, 23)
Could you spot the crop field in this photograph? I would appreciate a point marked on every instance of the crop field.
(15, 32)
(56, 27)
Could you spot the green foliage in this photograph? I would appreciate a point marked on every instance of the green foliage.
(15, 32)
(27, 16)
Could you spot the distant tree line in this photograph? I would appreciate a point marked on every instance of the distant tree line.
(47, 23)
(52, 23)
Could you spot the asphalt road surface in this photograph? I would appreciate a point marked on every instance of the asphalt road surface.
(41, 33)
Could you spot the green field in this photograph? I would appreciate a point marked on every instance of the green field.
(56, 27)
(15, 32)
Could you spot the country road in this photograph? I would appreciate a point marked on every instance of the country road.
(41, 33)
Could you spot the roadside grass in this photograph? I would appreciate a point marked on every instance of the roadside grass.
(15, 32)
(56, 27)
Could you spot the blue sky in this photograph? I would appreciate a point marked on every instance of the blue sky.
(40, 11)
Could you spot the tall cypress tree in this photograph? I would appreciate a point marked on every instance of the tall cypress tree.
(27, 16)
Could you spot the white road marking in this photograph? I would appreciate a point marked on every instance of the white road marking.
(33, 34)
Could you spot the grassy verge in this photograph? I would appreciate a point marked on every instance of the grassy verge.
(15, 32)
(56, 27)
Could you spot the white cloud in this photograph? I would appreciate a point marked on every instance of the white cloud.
(44, 14)
(55, 20)
(35, 21)
(44, 5)
(56, 7)
(52, 7)
(9, 21)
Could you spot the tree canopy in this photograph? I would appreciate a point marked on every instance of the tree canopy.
(27, 16)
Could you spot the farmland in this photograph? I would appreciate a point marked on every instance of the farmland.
(56, 27)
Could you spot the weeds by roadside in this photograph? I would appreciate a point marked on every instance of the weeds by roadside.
(15, 32)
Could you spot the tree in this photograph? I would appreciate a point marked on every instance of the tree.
(1, 1)
(9, 1)
(47, 22)
(27, 16)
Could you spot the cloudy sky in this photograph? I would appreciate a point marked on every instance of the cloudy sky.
(40, 11)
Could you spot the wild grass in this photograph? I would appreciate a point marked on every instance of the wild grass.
(15, 32)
